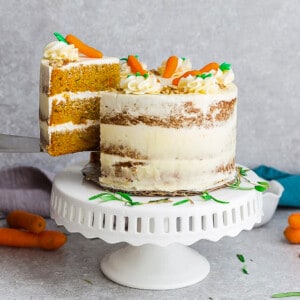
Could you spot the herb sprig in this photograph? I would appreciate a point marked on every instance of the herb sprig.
(260, 186)
(206, 196)
(284, 295)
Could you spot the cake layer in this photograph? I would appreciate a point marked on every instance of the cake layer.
(167, 144)
(69, 138)
(88, 74)
(66, 107)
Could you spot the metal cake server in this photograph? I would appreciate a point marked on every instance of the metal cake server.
(19, 144)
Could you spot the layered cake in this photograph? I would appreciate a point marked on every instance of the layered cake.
(72, 75)
(170, 131)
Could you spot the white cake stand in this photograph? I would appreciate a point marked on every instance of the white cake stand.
(158, 256)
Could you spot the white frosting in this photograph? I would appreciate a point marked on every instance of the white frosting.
(59, 50)
(171, 159)
(133, 84)
(47, 130)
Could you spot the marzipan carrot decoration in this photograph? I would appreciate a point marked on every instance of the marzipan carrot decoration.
(25, 220)
(205, 69)
(171, 66)
(186, 74)
(46, 240)
(209, 67)
(82, 47)
(135, 65)
(292, 231)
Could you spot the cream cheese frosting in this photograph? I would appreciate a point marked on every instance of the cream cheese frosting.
(61, 51)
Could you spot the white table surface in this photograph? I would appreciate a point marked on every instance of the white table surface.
(73, 271)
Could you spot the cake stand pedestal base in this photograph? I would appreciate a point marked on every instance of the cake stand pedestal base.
(155, 267)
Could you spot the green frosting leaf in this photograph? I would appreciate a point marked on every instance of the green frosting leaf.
(225, 67)
(60, 38)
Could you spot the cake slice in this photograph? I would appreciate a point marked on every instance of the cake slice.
(70, 87)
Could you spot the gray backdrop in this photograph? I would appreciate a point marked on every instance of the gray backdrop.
(259, 38)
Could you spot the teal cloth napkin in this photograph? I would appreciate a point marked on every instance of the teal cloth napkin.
(291, 183)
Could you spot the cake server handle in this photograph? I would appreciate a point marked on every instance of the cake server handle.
(19, 144)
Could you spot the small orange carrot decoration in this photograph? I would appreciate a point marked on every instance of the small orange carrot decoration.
(294, 220)
(82, 47)
(186, 74)
(46, 240)
(135, 65)
(25, 220)
(171, 66)
(205, 69)
(209, 67)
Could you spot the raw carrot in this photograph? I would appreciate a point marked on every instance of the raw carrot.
(294, 220)
(47, 240)
(135, 65)
(292, 235)
(25, 220)
(171, 66)
(82, 47)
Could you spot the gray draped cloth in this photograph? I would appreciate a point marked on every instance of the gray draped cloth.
(25, 188)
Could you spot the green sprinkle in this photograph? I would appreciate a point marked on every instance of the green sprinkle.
(60, 37)
(138, 74)
(285, 295)
(183, 58)
(241, 257)
(225, 67)
(181, 202)
(146, 75)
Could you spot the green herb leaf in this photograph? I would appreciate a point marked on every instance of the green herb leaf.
(260, 188)
(263, 183)
(164, 200)
(284, 295)
(125, 196)
(206, 196)
(244, 270)
(60, 38)
(181, 202)
(225, 67)
(241, 257)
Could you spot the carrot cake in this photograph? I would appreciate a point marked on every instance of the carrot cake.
(72, 75)
(170, 131)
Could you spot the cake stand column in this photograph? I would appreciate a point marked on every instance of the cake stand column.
(155, 267)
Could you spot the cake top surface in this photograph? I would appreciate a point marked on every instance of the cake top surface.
(174, 76)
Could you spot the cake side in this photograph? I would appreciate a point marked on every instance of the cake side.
(167, 143)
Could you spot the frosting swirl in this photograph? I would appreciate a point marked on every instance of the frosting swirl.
(59, 51)
(137, 84)
(198, 85)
